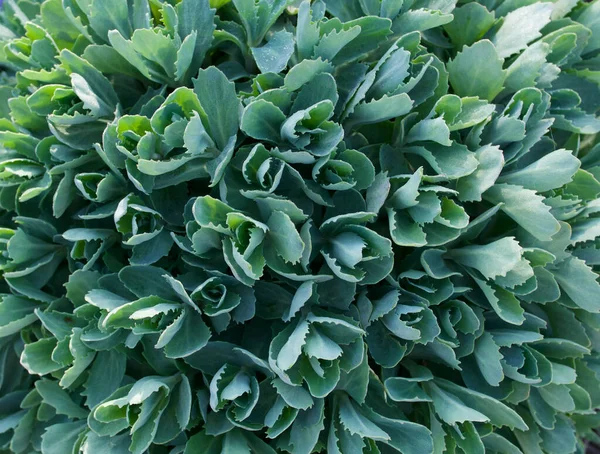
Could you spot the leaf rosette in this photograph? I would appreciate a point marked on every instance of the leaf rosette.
(421, 214)
(259, 173)
(282, 242)
(344, 170)
(235, 392)
(185, 137)
(30, 270)
(162, 313)
(153, 409)
(239, 236)
(304, 135)
(221, 298)
(143, 229)
(394, 324)
(315, 349)
(354, 252)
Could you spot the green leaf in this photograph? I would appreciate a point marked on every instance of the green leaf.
(392, 73)
(15, 314)
(96, 444)
(469, 77)
(258, 16)
(220, 105)
(498, 413)
(505, 304)
(333, 42)
(285, 237)
(294, 396)
(473, 112)
(106, 375)
(497, 443)
(450, 408)
(210, 212)
(53, 395)
(374, 31)
(405, 390)
(470, 24)
(263, 120)
(304, 72)
(488, 357)
(588, 16)
(550, 172)
(520, 27)
(435, 130)
(405, 436)
(526, 208)
(60, 438)
(528, 67)
(147, 281)
(491, 161)
(90, 85)
(274, 56)
(190, 335)
(196, 16)
(82, 358)
(356, 423)
(37, 357)
(420, 20)
(292, 349)
(579, 282)
(492, 259)
(110, 15)
(376, 111)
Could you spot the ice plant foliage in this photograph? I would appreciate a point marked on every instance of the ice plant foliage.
(278, 226)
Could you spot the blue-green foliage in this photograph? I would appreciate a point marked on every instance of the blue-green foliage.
(271, 226)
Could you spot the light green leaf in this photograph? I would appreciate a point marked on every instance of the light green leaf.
(285, 237)
(492, 259)
(498, 413)
(579, 282)
(487, 354)
(292, 349)
(196, 16)
(105, 377)
(526, 208)
(450, 408)
(274, 56)
(520, 27)
(294, 396)
(469, 77)
(470, 24)
(37, 357)
(15, 314)
(90, 85)
(549, 172)
(376, 111)
(187, 334)
(263, 120)
(305, 71)
(491, 161)
(435, 130)
(358, 424)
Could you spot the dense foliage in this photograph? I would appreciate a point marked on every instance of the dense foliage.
(270, 226)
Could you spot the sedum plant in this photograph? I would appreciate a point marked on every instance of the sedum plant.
(283, 226)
